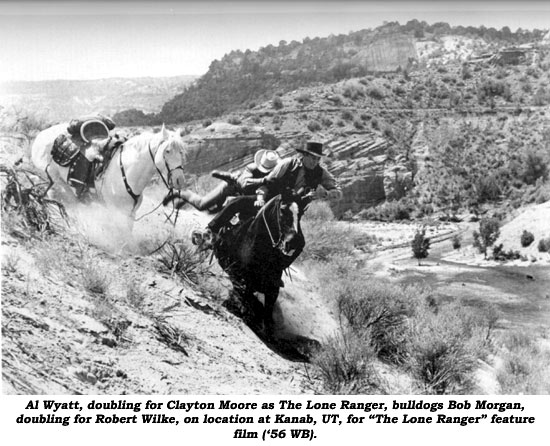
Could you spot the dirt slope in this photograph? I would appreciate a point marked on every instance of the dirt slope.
(59, 337)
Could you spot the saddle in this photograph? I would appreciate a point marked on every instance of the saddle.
(68, 152)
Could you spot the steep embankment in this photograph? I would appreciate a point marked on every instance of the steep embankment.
(87, 311)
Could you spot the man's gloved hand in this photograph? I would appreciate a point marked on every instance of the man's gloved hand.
(260, 201)
(335, 194)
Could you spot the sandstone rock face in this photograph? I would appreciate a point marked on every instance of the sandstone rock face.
(388, 52)
(225, 146)
(358, 163)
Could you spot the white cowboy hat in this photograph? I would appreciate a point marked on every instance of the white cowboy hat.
(266, 160)
(93, 129)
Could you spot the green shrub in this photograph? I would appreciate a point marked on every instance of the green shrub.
(326, 122)
(277, 103)
(501, 255)
(135, 294)
(303, 98)
(388, 211)
(95, 279)
(525, 365)
(457, 241)
(446, 343)
(347, 115)
(380, 310)
(489, 230)
(544, 245)
(375, 93)
(353, 90)
(346, 365)
(420, 245)
(314, 126)
(527, 238)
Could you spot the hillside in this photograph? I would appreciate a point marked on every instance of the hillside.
(60, 100)
(242, 79)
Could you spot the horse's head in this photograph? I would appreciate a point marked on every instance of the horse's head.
(282, 221)
(170, 157)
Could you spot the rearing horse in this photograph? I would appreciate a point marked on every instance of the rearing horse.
(130, 170)
(256, 253)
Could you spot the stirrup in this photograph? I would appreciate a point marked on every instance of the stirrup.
(197, 237)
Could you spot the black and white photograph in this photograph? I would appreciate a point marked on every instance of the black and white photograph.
(275, 198)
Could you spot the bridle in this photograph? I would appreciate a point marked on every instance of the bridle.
(273, 242)
(169, 170)
(166, 181)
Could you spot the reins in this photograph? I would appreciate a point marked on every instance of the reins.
(273, 242)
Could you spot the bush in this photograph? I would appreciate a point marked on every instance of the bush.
(445, 345)
(94, 278)
(328, 239)
(347, 115)
(314, 126)
(388, 211)
(420, 245)
(457, 241)
(525, 365)
(346, 365)
(544, 245)
(527, 238)
(489, 230)
(135, 294)
(501, 255)
(277, 103)
(353, 90)
(381, 311)
(375, 93)
(303, 98)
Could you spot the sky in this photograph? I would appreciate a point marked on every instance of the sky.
(92, 40)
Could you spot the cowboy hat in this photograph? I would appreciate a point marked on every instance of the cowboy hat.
(93, 129)
(312, 148)
(266, 160)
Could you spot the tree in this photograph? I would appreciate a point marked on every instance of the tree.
(489, 230)
(420, 245)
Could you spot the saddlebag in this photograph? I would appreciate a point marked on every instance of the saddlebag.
(64, 150)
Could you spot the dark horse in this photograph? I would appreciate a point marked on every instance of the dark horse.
(255, 253)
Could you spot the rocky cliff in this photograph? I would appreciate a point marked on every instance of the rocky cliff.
(387, 52)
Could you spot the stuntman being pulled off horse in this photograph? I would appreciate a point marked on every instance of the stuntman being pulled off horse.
(301, 175)
(236, 184)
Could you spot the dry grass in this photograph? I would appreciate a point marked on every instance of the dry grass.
(526, 365)
(136, 293)
(346, 364)
(94, 277)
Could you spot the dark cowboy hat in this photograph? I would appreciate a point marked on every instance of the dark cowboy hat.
(312, 148)
(93, 129)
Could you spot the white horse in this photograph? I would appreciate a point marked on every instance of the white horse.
(130, 170)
